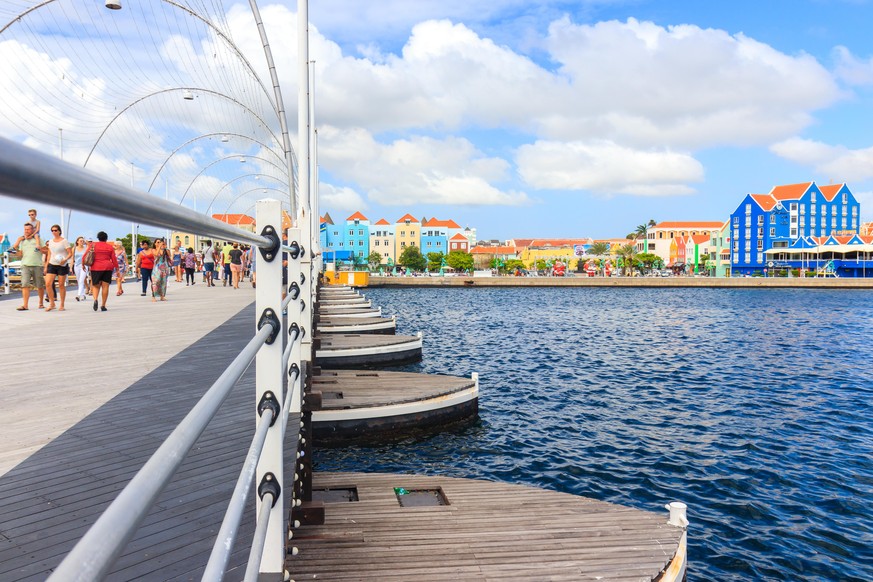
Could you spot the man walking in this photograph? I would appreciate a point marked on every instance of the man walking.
(31, 249)
(209, 263)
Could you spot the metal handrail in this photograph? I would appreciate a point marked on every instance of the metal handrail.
(95, 553)
(31, 175)
(221, 551)
(292, 394)
(259, 539)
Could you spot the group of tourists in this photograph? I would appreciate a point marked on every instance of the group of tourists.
(45, 263)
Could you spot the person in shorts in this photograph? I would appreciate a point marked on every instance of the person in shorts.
(56, 267)
(31, 248)
(209, 262)
(102, 268)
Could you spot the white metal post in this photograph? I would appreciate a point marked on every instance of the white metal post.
(296, 316)
(270, 378)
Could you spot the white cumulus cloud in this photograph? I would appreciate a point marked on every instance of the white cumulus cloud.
(839, 163)
(416, 170)
(607, 168)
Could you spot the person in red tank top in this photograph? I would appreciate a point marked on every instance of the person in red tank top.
(145, 262)
(102, 268)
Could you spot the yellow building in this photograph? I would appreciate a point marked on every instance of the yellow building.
(543, 249)
(407, 233)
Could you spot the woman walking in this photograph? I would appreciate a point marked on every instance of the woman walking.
(177, 261)
(121, 271)
(101, 269)
(236, 265)
(161, 271)
(80, 269)
(145, 262)
(56, 259)
(190, 260)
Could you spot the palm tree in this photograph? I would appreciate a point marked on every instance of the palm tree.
(599, 249)
(628, 254)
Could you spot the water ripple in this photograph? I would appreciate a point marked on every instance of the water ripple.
(752, 406)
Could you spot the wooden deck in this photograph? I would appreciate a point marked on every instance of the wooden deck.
(486, 532)
(342, 350)
(340, 324)
(348, 389)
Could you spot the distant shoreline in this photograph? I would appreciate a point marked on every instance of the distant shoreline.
(656, 282)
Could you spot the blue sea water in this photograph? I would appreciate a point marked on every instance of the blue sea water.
(751, 406)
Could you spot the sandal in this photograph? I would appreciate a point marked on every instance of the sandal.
(21, 308)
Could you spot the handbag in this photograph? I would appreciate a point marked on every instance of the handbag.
(88, 257)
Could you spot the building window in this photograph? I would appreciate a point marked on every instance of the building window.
(736, 259)
(834, 222)
(736, 233)
(736, 220)
(361, 232)
(376, 243)
(854, 223)
(845, 208)
(428, 243)
(402, 245)
(761, 232)
(748, 208)
(760, 257)
(748, 233)
(803, 208)
(812, 209)
(773, 232)
(736, 246)
(351, 232)
(748, 221)
(812, 222)
(833, 210)
(845, 198)
(341, 244)
(402, 233)
(802, 221)
(793, 207)
(760, 245)
(794, 232)
(439, 243)
(748, 246)
(385, 242)
(793, 219)
(812, 199)
(760, 220)
(854, 211)
(748, 258)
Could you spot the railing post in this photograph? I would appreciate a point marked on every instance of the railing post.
(271, 378)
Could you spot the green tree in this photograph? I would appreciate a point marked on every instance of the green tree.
(434, 261)
(125, 240)
(599, 249)
(460, 261)
(648, 260)
(374, 260)
(628, 254)
(411, 257)
(513, 264)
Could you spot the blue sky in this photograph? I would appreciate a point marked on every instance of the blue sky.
(563, 119)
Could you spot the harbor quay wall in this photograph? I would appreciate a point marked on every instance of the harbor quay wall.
(657, 282)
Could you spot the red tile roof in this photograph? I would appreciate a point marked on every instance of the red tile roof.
(382, 222)
(699, 225)
(830, 191)
(357, 216)
(406, 217)
(765, 201)
(700, 238)
(458, 236)
(435, 222)
(234, 219)
(790, 191)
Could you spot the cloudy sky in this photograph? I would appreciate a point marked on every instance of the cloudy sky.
(584, 118)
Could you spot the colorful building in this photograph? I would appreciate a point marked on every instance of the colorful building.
(659, 237)
(407, 233)
(459, 242)
(382, 241)
(720, 252)
(484, 254)
(435, 235)
(783, 217)
(357, 236)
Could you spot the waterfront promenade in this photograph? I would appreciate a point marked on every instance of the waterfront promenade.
(61, 366)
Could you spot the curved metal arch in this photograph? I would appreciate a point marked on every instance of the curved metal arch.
(208, 23)
(192, 140)
(143, 98)
(228, 183)
(231, 157)
(241, 194)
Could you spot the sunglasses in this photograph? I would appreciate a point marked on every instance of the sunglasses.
(55, 230)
